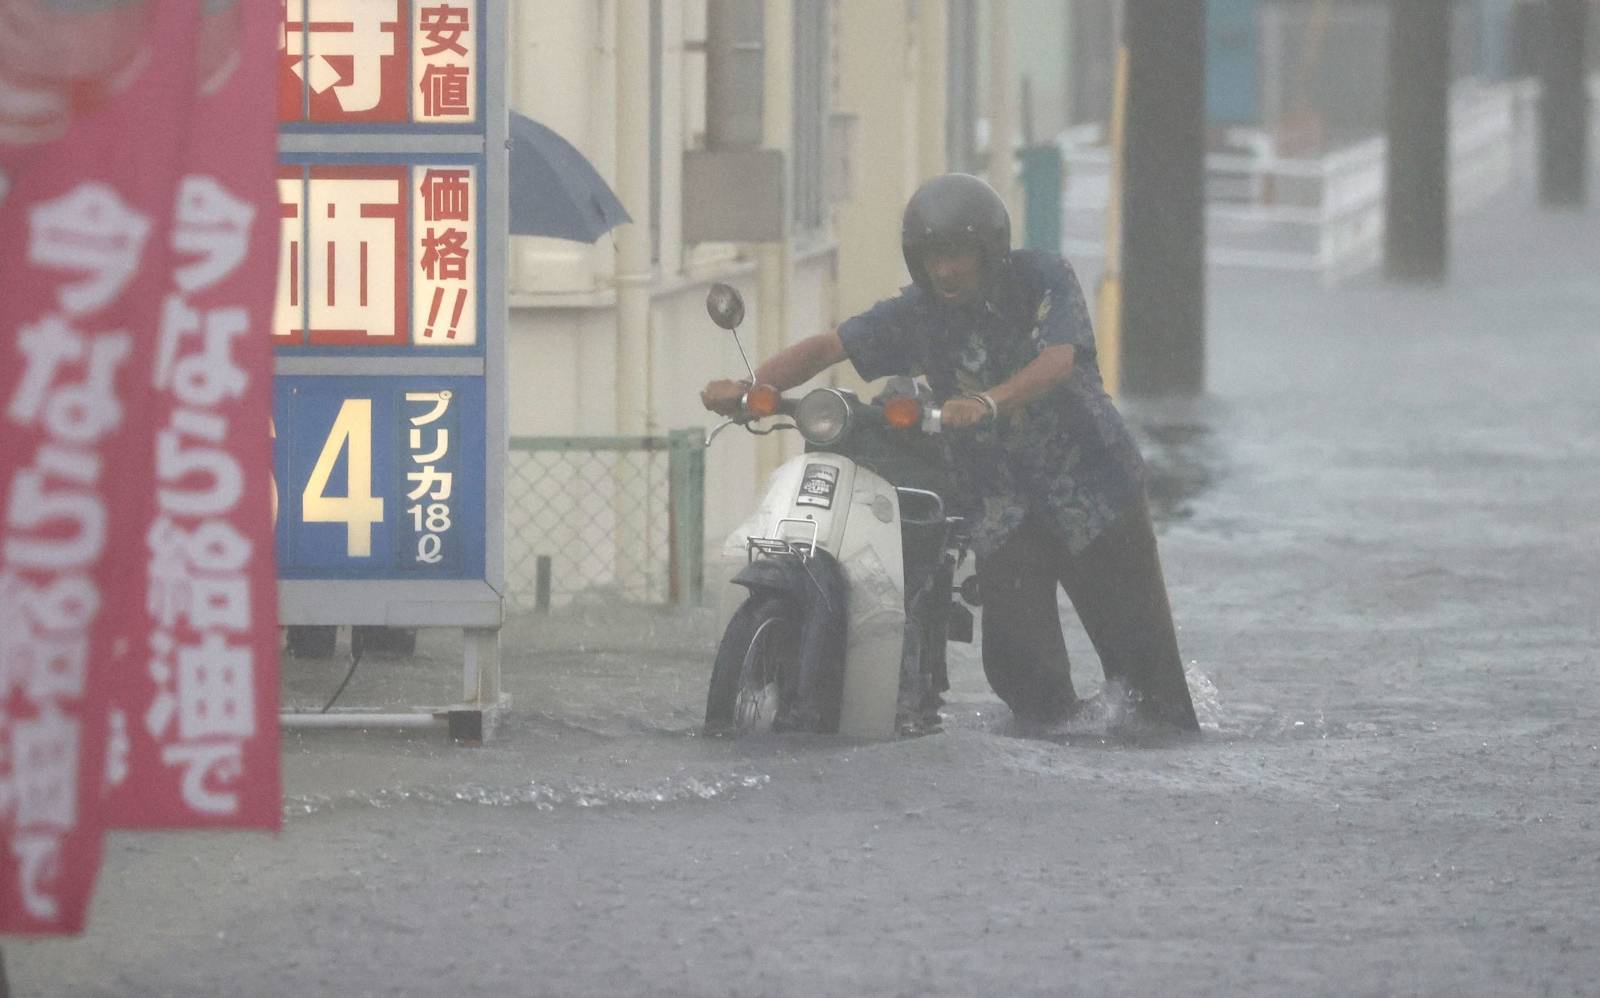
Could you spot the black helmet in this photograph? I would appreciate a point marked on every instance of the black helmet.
(955, 210)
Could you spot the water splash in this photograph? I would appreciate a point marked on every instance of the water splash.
(1207, 698)
(538, 795)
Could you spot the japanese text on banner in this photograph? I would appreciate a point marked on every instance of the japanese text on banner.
(56, 526)
(198, 713)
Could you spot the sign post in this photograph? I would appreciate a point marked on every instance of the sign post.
(390, 329)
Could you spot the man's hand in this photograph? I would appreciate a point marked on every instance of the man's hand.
(961, 412)
(790, 367)
(724, 397)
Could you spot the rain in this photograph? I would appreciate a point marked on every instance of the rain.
(1372, 470)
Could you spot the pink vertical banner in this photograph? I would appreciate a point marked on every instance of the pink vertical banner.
(92, 118)
(195, 727)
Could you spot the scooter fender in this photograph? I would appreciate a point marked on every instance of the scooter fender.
(858, 522)
(870, 554)
(771, 576)
(818, 587)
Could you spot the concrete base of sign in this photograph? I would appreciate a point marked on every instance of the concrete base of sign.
(475, 725)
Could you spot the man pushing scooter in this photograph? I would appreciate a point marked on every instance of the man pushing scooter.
(1055, 480)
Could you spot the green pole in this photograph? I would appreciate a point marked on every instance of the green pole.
(686, 472)
(1041, 187)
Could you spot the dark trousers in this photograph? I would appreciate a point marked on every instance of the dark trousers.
(1116, 587)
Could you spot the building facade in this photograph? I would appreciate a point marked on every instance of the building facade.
(612, 338)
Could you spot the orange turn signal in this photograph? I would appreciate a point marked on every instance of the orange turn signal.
(762, 401)
(902, 412)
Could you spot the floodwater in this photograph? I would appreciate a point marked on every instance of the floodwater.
(1382, 542)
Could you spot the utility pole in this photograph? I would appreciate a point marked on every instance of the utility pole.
(635, 413)
(775, 259)
(1163, 210)
(1563, 106)
(633, 240)
(1417, 210)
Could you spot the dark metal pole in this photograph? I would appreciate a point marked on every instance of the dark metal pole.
(1416, 233)
(1563, 106)
(541, 583)
(1163, 214)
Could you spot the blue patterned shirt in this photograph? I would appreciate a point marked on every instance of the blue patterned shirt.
(1067, 456)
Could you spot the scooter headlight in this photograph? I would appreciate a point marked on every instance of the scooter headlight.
(823, 417)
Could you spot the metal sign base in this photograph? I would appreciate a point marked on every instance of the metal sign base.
(466, 723)
(470, 722)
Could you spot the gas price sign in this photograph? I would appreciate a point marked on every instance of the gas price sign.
(379, 254)
(363, 62)
(389, 319)
(385, 477)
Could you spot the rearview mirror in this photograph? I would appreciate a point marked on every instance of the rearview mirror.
(725, 306)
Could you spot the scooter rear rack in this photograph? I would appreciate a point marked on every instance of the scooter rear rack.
(804, 550)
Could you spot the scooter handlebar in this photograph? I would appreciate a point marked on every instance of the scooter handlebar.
(900, 412)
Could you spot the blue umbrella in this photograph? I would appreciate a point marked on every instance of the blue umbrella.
(555, 191)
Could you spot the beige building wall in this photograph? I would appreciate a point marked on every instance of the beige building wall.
(563, 329)
(884, 83)
(889, 85)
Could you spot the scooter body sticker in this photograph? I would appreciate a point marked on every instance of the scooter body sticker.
(818, 485)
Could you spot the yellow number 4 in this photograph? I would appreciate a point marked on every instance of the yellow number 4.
(358, 509)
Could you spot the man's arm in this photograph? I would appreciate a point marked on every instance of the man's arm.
(794, 365)
(1064, 328)
(1043, 373)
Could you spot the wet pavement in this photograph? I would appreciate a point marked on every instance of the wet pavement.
(1382, 539)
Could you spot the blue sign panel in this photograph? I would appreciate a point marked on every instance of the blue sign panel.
(380, 477)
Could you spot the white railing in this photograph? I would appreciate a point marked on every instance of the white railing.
(1323, 215)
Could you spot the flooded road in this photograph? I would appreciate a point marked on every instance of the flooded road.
(1381, 537)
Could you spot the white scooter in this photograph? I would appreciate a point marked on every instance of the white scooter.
(821, 633)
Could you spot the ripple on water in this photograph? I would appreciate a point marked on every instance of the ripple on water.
(536, 794)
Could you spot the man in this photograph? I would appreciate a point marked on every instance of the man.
(1054, 480)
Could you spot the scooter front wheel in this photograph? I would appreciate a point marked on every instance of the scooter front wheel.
(756, 675)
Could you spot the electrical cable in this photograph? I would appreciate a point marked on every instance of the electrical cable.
(358, 643)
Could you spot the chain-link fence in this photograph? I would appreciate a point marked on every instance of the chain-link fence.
(605, 519)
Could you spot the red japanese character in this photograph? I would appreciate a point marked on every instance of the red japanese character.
(444, 256)
(443, 26)
(445, 91)
(447, 196)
